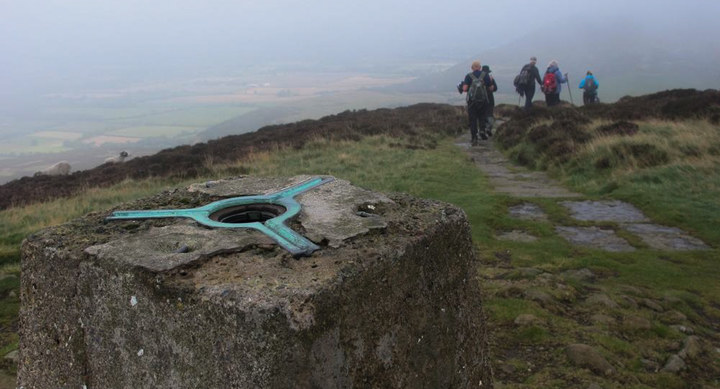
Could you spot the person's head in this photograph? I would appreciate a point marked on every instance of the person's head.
(589, 73)
(475, 65)
(533, 60)
(553, 63)
(486, 68)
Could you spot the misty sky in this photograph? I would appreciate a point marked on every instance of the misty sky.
(62, 43)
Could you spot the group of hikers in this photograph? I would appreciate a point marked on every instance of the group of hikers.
(480, 87)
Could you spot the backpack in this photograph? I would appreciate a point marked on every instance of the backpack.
(590, 86)
(523, 78)
(477, 92)
(549, 85)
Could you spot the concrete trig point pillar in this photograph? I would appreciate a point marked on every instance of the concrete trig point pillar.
(389, 301)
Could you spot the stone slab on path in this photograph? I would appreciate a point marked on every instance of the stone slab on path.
(508, 178)
(665, 238)
(527, 211)
(605, 211)
(516, 236)
(594, 237)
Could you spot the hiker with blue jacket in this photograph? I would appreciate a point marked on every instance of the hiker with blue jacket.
(552, 82)
(589, 85)
(476, 86)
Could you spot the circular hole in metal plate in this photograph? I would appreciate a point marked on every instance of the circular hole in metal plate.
(248, 213)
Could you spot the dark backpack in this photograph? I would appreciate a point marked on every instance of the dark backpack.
(524, 78)
(549, 83)
(590, 86)
(477, 92)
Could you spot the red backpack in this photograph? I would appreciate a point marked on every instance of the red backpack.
(549, 85)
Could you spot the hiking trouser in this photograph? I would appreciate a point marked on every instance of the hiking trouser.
(478, 120)
(589, 98)
(529, 93)
(552, 99)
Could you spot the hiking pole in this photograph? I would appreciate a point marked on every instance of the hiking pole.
(569, 87)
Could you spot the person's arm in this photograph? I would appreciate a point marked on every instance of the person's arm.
(582, 83)
(488, 81)
(560, 77)
(597, 84)
(536, 73)
(494, 85)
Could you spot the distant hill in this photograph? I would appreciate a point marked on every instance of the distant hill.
(192, 161)
(414, 121)
(627, 60)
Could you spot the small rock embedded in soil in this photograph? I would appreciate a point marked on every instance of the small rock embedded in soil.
(525, 319)
(674, 364)
(12, 356)
(673, 317)
(601, 299)
(683, 329)
(599, 318)
(582, 275)
(691, 348)
(586, 356)
(652, 305)
(538, 295)
(636, 323)
(649, 365)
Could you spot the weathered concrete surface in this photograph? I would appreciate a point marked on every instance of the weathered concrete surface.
(389, 302)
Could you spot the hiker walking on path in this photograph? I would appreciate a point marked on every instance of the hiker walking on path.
(552, 82)
(492, 88)
(476, 85)
(589, 85)
(525, 81)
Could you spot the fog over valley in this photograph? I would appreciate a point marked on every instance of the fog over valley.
(84, 80)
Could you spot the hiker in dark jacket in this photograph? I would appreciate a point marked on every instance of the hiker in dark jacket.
(492, 88)
(589, 85)
(477, 112)
(552, 90)
(527, 87)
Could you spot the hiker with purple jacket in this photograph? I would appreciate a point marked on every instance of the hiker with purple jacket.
(552, 82)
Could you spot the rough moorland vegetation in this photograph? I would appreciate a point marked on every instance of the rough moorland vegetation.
(197, 160)
(561, 316)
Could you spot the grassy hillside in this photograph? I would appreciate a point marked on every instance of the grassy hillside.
(544, 278)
